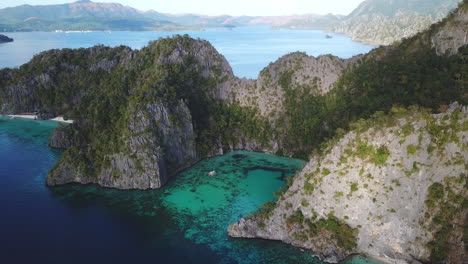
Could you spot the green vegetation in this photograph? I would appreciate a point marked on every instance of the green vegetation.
(435, 193)
(264, 212)
(414, 169)
(338, 195)
(296, 218)
(378, 156)
(345, 235)
(406, 74)
(309, 187)
(311, 228)
(411, 150)
(325, 171)
(445, 207)
(104, 91)
(407, 130)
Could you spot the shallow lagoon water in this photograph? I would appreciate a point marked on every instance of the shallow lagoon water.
(248, 49)
(184, 222)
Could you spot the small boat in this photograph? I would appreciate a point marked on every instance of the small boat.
(212, 173)
(328, 36)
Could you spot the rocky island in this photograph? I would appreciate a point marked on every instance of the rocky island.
(384, 177)
(5, 39)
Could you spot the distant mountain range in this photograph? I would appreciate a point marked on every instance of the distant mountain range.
(81, 15)
(378, 22)
(88, 15)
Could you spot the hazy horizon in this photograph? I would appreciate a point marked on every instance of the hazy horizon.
(214, 8)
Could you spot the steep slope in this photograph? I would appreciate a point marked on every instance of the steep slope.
(140, 116)
(394, 187)
(303, 96)
(286, 92)
(382, 22)
(183, 87)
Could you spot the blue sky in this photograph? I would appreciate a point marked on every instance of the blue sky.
(218, 7)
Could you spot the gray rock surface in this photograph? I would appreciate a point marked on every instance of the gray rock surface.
(266, 94)
(160, 143)
(62, 137)
(452, 35)
(386, 201)
(383, 22)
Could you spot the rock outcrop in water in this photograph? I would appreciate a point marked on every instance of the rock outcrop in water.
(394, 187)
(5, 39)
(161, 142)
(142, 116)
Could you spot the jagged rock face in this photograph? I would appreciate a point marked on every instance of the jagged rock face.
(129, 105)
(159, 142)
(152, 104)
(452, 35)
(61, 138)
(268, 93)
(382, 22)
(385, 180)
(210, 62)
(381, 30)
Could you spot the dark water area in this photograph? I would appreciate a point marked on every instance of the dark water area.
(184, 222)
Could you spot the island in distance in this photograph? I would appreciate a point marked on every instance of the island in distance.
(5, 39)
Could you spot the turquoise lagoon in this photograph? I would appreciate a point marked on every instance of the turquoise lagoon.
(184, 222)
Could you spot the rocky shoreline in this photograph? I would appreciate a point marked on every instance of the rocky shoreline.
(382, 203)
(382, 180)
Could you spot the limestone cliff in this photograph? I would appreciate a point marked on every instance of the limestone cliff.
(382, 22)
(394, 187)
(161, 122)
(62, 137)
(141, 116)
(160, 142)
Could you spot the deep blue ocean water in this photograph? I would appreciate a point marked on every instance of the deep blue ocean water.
(184, 222)
(248, 49)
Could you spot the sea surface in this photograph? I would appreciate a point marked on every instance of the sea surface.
(248, 49)
(184, 222)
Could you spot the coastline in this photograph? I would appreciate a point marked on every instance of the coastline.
(34, 117)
